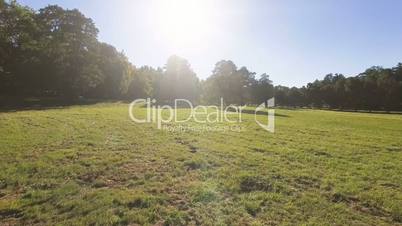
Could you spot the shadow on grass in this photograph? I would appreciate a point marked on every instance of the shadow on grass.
(252, 112)
(366, 111)
(341, 110)
(27, 104)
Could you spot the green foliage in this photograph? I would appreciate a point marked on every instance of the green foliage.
(55, 53)
(227, 82)
(179, 81)
(375, 89)
(142, 83)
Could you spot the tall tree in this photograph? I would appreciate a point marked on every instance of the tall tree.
(262, 90)
(179, 81)
(227, 82)
(141, 83)
(67, 36)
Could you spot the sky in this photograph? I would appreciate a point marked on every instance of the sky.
(295, 42)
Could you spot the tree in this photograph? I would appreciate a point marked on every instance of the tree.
(296, 97)
(67, 38)
(262, 90)
(281, 95)
(217, 86)
(353, 93)
(141, 83)
(17, 48)
(179, 81)
(116, 69)
(54, 52)
(229, 83)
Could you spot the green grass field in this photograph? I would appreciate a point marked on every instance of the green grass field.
(91, 165)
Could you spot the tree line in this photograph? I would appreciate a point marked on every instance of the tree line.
(54, 52)
(377, 88)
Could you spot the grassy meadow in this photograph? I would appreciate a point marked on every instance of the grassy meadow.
(91, 165)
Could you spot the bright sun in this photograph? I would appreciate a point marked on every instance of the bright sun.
(185, 23)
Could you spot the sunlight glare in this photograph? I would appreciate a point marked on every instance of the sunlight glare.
(185, 23)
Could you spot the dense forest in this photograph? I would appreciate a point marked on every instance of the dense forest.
(55, 53)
